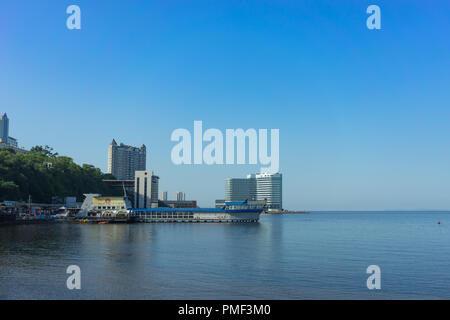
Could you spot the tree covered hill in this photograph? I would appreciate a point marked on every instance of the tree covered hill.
(42, 174)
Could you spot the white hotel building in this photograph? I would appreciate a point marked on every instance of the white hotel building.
(259, 187)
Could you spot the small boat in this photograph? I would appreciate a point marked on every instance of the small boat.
(103, 222)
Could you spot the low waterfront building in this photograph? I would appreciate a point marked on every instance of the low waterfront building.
(98, 207)
(69, 202)
(109, 203)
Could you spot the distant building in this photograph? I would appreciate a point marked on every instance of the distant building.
(124, 160)
(164, 196)
(16, 149)
(145, 190)
(4, 128)
(180, 196)
(256, 187)
(269, 187)
(69, 202)
(239, 189)
(5, 140)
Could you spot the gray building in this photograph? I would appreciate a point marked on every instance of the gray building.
(124, 160)
(240, 189)
(5, 139)
(164, 195)
(145, 189)
(4, 128)
(256, 187)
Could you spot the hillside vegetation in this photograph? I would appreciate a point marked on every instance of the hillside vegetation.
(42, 174)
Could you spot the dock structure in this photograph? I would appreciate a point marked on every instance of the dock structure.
(99, 209)
(231, 212)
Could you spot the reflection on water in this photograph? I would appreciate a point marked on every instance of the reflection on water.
(320, 255)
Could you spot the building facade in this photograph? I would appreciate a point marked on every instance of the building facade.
(180, 196)
(4, 132)
(124, 160)
(240, 189)
(5, 140)
(145, 190)
(4, 128)
(269, 187)
(256, 187)
(164, 195)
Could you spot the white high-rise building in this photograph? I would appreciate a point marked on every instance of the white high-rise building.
(124, 160)
(259, 187)
(269, 187)
(180, 196)
(164, 196)
(145, 189)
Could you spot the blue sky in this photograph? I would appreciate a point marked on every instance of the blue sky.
(363, 114)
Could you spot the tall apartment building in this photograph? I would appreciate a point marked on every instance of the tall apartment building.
(164, 195)
(124, 160)
(145, 190)
(256, 187)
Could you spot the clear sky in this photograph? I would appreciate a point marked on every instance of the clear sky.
(364, 115)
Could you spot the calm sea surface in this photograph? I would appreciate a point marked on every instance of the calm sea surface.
(321, 255)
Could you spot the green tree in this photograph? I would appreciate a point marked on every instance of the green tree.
(42, 173)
